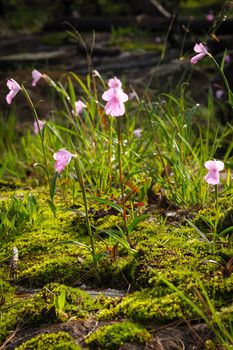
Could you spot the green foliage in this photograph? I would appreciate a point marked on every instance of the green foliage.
(113, 336)
(51, 341)
(18, 214)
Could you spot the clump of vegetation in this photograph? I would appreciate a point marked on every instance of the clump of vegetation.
(113, 336)
(18, 214)
(133, 198)
(53, 304)
(51, 341)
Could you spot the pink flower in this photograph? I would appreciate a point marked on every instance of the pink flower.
(227, 58)
(137, 133)
(214, 167)
(114, 83)
(41, 125)
(79, 105)
(36, 75)
(115, 98)
(132, 95)
(14, 88)
(210, 17)
(62, 158)
(201, 52)
(219, 94)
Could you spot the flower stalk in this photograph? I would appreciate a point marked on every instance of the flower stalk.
(79, 172)
(121, 176)
(37, 121)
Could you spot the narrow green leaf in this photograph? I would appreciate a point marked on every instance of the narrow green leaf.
(51, 205)
(42, 167)
(107, 202)
(136, 221)
(228, 229)
(81, 84)
(77, 243)
(54, 185)
(72, 92)
(223, 60)
(199, 231)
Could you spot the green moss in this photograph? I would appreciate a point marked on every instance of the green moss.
(207, 216)
(60, 268)
(6, 292)
(45, 306)
(111, 337)
(52, 341)
(146, 306)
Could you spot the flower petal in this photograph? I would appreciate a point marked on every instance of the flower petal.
(209, 164)
(115, 83)
(219, 165)
(197, 58)
(36, 75)
(212, 177)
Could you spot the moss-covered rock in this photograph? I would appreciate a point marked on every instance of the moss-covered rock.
(52, 341)
(111, 337)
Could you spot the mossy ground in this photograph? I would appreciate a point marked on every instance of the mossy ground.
(172, 252)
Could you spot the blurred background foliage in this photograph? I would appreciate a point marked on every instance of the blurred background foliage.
(18, 14)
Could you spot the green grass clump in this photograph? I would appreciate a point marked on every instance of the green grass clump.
(52, 341)
(111, 337)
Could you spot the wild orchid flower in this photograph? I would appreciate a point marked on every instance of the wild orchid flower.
(36, 76)
(14, 88)
(214, 167)
(201, 52)
(79, 106)
(115, 98)
(62, 158)
(36, 128)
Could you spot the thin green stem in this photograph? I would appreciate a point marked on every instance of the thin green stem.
(225, 81)
(216, 212)
(110, 151)
(78, 168)
(121, 175)
(157, 147)
(28, 98)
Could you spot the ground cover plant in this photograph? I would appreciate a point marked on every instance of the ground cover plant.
(113, 192)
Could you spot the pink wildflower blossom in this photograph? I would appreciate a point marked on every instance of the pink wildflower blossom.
(14, 88)
(201, 52)
(62, 158)
(115, 83)
(35, 125)
(115, 98)
(79, 105)
(219, 93)
(227, 58)
(210, 17)
(214, 167)
(36, 75)
(137, 133)
(132, 95)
